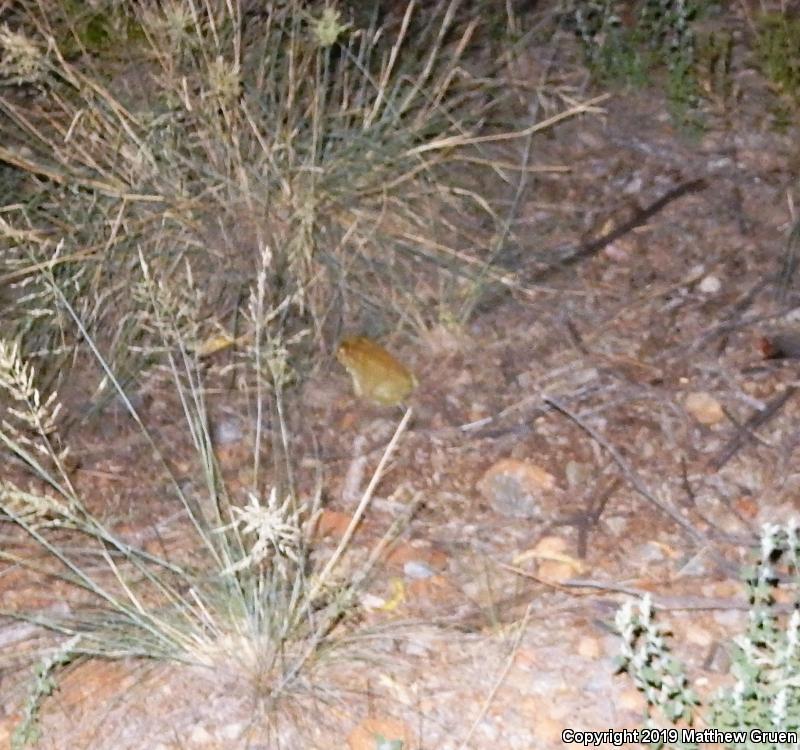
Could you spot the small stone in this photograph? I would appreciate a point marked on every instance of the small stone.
(704, 408)
(371, 602)
(616, 252)
(718, 659)
(577, 474)
(699, 636)
(634, 186)
(617, 525)
(746, 507)
(331, 523)
(710, 285)
(233, 731)
(416, 570)
(517, 489)
(550, 546)
(649, 552)
(556, 571)
(228, 430)
(725, 589)
(418, 552)
(589, 648)
(553, 561)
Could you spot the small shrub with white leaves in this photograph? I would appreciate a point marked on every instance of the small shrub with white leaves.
(765, 660)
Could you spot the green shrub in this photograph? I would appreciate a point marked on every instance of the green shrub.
(659, 38)
(778, 48)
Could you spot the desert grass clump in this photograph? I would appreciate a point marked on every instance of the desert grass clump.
(247, 596)
(207, 131)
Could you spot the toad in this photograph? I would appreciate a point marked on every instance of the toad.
(377, 375)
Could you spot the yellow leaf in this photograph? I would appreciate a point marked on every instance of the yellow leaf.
(398, 595)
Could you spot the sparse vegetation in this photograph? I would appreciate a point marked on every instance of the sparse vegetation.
(207, 194)
(777, 45)
(259, 609)
(765, 662)
(206, 132)
(623, 46)
(162, 157)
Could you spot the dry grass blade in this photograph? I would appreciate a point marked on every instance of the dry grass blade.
(362, 505)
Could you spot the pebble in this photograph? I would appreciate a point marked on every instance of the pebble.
(704, 408)
(517, 489)
(417, 570)
(200, 736)
(699, 636)
(710, 285)
(648, 553)
(227, 430)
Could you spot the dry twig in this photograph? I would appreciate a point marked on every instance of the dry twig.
(744, 433)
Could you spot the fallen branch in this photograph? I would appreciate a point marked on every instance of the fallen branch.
(593, 247)
(745, 432)
(629, 473)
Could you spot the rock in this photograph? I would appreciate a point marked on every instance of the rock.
(227, 430)
(649, 553)
(556, 571)
(698, 635)
(416, 570)
(718, 659)
(746, 507)
(518, 489)
(710, 285)
(704, 408)
(200, 736)
(417, 552)
(577, 474)
(331, 523)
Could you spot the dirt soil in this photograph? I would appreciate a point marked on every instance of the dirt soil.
(588, 436)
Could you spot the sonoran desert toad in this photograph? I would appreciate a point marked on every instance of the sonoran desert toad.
(377, 375)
